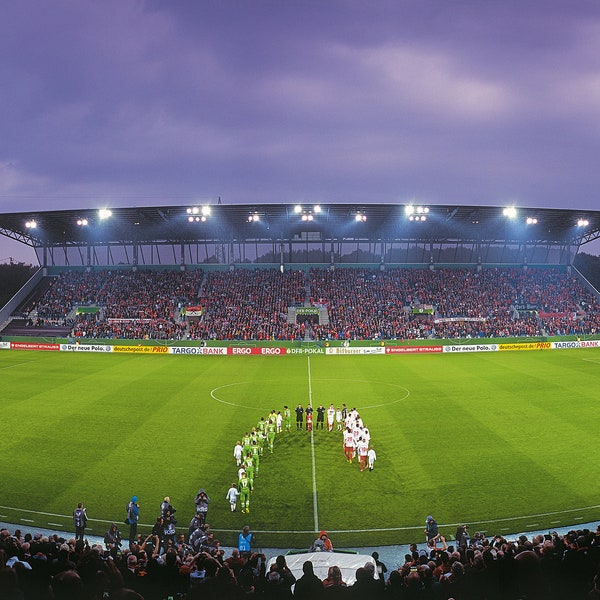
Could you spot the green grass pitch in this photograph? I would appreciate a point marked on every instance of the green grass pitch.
(503, 441)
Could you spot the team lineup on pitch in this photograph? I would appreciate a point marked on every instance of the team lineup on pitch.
(249, 450)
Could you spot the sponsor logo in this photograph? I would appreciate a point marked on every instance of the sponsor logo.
(160, 349)
(413, 349)
(305, 351)
(267, 351)
(135, 349)
(272, 350)
(591, 344)
(565, 345)
(85, 348)
(33, 346)
(196, 350)
(526, 346)
(360, 350)
(241, 350)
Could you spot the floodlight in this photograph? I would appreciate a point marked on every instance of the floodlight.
(82, 222)
(409, 209)
(297, 209)
(31, 224)
(510, 212)
(317, 209)
(206, 211)
(531, 221)
(582, 223)
(104, 213)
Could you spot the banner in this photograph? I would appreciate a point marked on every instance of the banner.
(307, 310)
(359, 350)
(33, 346)
(263, 351)
(424, 309)
(414, 349)
(198, 350)
(142, 349)
(87, 310)
(192, 311)
(472, 348)
(85, 348)
(526, 346)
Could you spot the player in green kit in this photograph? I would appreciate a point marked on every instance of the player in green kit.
(244, 489)
(262, 424)
(271, 434)
(287, 418)
(255, 451)
(246, 442)
(249, 467)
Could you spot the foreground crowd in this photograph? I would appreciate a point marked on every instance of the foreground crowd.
(544, 567)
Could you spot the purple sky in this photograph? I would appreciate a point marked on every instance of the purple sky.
(133, 102)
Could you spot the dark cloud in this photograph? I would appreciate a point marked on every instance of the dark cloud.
(137, 101)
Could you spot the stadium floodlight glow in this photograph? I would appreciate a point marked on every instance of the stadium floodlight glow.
(317, 209)
(421, 211)
(82, 222)
(253, 218)
(510, 212)
(307, 217)
(104, 213)
(31, 224)
(297, 209)
(194, 212)
(360, 217)
(582, 223)
(531, 221)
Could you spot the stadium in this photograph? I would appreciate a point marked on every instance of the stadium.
(151, 339)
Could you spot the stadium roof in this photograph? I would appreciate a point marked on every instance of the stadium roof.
(287, 222)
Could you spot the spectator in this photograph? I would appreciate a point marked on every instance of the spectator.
(309, 586)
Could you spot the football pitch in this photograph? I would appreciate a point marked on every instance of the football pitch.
(504, 441)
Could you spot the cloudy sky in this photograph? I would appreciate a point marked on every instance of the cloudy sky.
(140, 102)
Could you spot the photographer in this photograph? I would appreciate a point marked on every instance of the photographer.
(112, 538)
(202, 501)
(463, 539)
(166, 506)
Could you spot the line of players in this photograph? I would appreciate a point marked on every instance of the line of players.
(357, 440)
(248, 451)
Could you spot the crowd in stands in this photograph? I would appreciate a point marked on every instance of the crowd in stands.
(539, 567)
(134, 304)
(362, 304)
(367, 304)
(249, 305)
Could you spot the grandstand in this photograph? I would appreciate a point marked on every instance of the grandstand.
(211, 247)
(264, 275)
